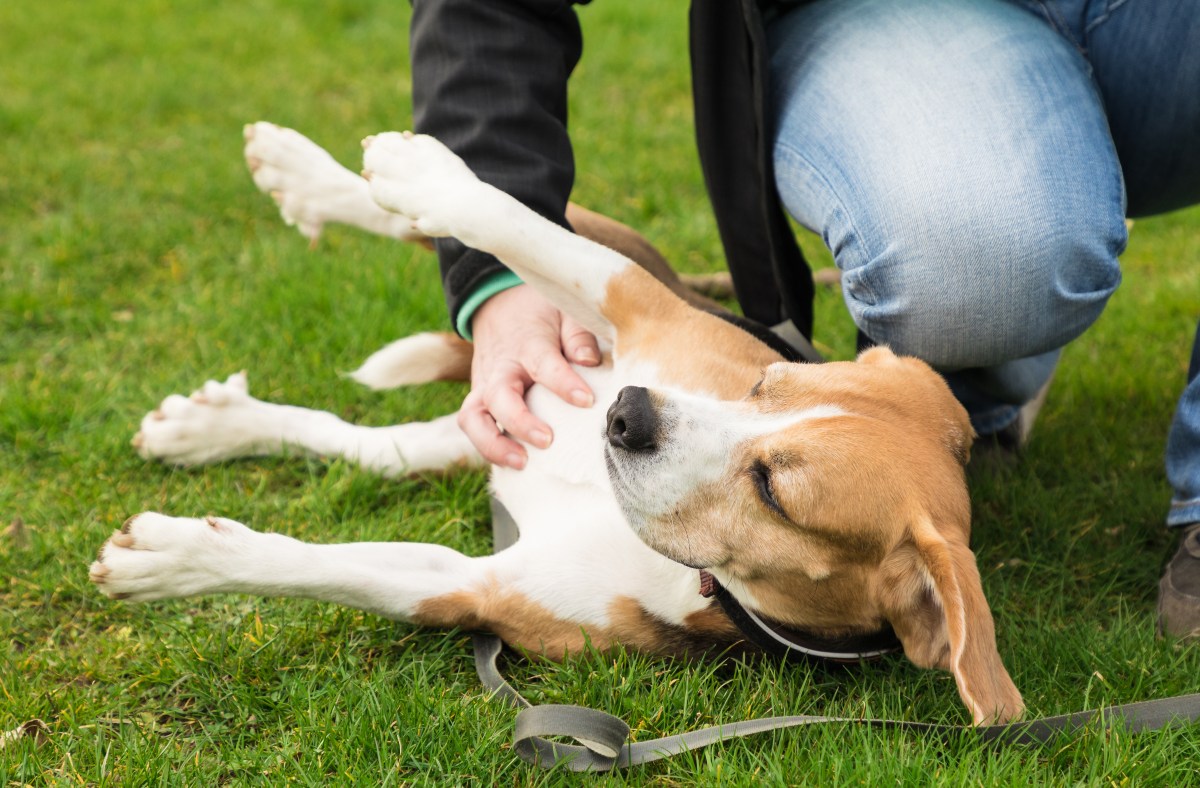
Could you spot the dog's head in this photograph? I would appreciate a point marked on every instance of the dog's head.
(830, 498)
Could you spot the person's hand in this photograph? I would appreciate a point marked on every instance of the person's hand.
(521, 339)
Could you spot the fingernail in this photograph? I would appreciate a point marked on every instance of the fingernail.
(586, 356)
(539, 438)
(581, 398)
(514, 460)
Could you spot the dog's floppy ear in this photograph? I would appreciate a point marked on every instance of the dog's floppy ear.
(932, 595)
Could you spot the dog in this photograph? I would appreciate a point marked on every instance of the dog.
(828, 498)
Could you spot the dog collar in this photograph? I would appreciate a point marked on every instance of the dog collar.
(782, 641)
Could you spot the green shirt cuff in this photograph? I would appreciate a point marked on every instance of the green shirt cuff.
(498, 282)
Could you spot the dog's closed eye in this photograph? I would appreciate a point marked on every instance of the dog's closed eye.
(760, 474)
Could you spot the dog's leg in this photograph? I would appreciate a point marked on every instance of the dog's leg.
(420, 358)
(419, 177)
(529, 601)
(154, 556)
(312, 189)
(619, 301)
(221, 421)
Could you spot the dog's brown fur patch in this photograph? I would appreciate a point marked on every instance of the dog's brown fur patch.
(528, 625)
(652, 322)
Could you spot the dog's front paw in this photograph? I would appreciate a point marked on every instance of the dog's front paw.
(419, 177)
(219, 421)
(158, 557)
(311, 188)
(301, 176)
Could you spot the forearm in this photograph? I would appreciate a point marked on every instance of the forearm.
(490, 82)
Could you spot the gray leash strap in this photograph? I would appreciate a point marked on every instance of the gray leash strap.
(603, 746)
(603, 738)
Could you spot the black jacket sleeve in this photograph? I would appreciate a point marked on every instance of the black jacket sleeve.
(490, 82)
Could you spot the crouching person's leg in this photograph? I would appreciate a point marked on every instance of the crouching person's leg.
(1179, 589)
(957, 161)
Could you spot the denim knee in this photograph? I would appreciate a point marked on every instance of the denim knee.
(957, 160)
(984, 285)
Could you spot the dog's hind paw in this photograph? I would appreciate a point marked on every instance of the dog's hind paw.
(219, 421)
(158, 557)
(419, 177)
(312, 189)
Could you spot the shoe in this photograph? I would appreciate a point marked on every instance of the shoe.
(1179, 589)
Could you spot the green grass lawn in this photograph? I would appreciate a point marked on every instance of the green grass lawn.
(137, 259)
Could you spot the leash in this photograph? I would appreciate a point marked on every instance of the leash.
(602, 739)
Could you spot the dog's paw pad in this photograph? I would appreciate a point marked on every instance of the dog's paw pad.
(299, 175)
(153, 556)
(234, 389)
(419, 177)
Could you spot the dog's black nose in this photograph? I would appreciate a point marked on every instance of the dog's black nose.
(632, 423)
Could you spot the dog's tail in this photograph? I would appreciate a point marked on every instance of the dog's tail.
(421, 358)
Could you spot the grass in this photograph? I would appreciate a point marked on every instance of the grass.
(136, 259)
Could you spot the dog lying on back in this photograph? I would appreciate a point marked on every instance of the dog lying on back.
(828, 498)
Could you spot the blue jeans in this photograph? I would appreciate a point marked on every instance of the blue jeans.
(1183, 449)
(971, 164)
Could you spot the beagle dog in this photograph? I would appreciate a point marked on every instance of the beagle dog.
(828, 498)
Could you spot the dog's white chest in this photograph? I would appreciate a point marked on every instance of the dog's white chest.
(576, 455)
